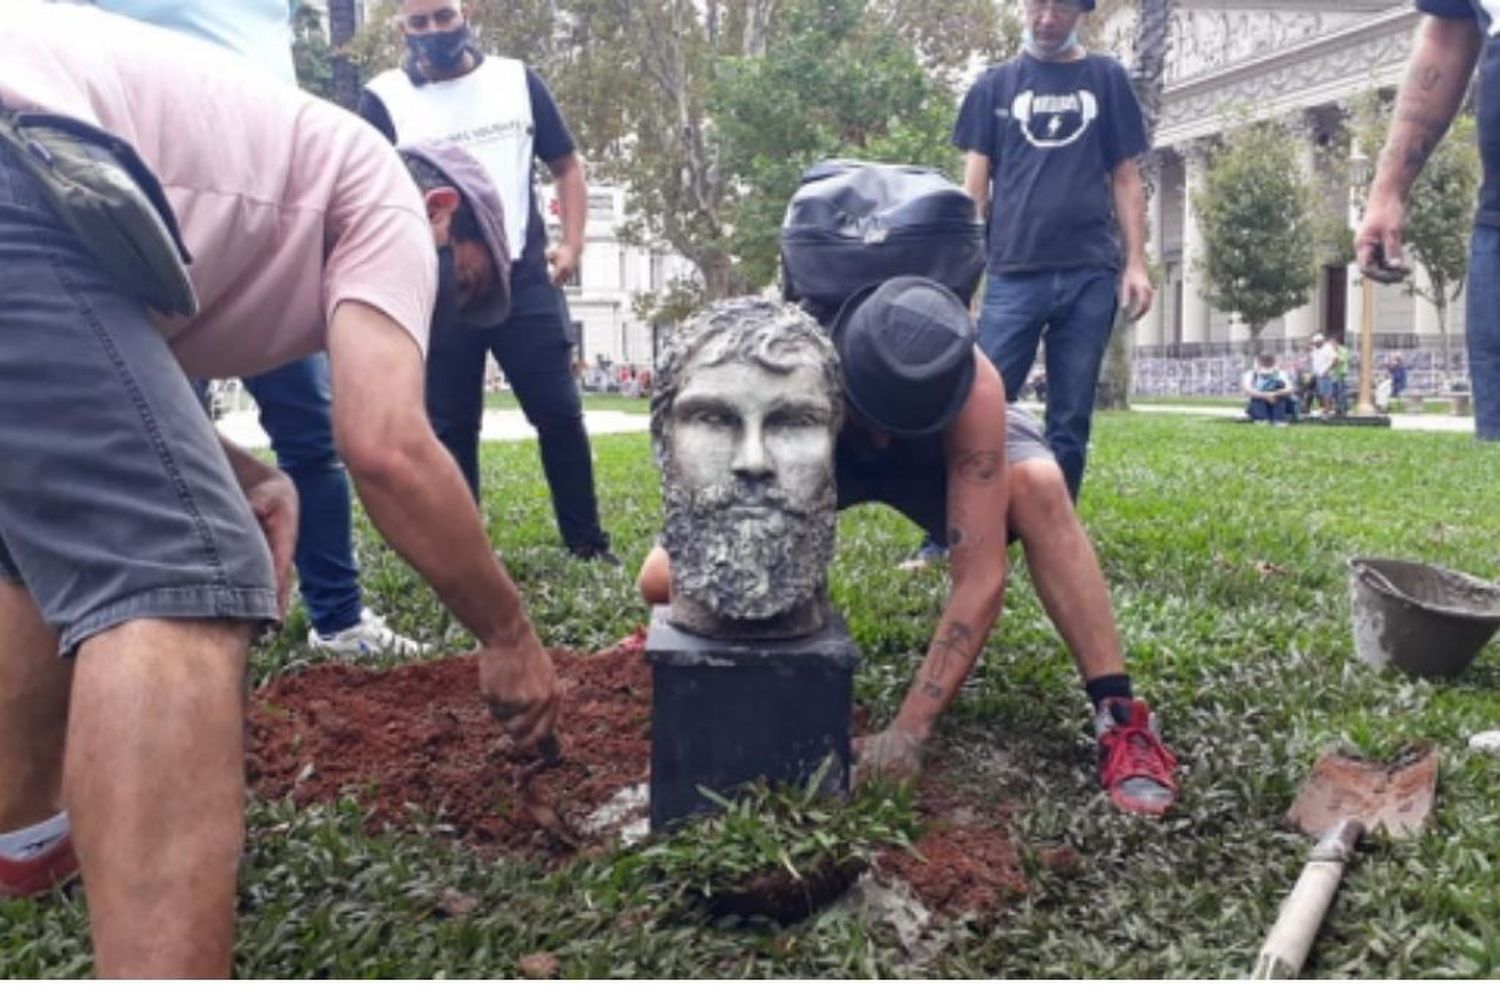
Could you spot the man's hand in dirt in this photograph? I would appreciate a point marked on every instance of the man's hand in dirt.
(520, 685)
(273, 499)
(893, 755)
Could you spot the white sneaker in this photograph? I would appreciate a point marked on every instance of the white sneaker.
(370, 637)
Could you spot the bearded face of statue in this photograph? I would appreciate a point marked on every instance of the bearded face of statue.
(748, 485)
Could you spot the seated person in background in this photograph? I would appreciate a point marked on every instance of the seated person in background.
(1395, 365)
(1269, 390)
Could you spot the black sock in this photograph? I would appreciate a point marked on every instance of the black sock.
(1111, 686)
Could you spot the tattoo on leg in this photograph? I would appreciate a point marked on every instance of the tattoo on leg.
(981, 467)
(1430, 77)
(957, 538)
(932, 690)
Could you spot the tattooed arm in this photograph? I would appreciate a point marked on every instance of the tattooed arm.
(1442, 61)
(977, 496)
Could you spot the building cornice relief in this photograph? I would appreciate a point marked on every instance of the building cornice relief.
(1204, 41)
(1320, 70)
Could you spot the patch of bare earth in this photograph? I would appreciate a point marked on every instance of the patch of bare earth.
(417, 742)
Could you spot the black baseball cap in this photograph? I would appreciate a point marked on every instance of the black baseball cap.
(907, 349)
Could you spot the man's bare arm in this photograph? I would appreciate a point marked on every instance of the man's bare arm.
(417, 499)
(977, 181)
(1437, 76)
(1129, 192)
(573, 205)
(978, 491)
(273, 499)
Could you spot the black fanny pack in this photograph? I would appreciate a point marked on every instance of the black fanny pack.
(109, 199)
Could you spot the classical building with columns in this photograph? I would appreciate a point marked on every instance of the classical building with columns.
(1307, 64)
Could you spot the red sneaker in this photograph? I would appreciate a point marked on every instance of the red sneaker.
(35, 874)
(1134, 768)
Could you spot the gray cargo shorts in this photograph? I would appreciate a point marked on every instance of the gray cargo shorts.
(116, 500)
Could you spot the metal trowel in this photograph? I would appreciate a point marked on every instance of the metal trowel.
(1344, 797)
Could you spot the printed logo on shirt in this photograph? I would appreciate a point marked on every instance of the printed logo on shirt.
(493, 132)
(1053, 121)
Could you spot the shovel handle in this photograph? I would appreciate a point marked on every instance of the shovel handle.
(1302, 913)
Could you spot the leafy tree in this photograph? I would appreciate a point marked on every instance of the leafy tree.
(834, 82)
(311, 54)
(673, 304)
(1256, 209)
(345, 76)
(640, 83)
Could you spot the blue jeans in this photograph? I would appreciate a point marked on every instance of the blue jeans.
(532, 348)
(1483, 330)
(296, 410)
(1075, 309)
(1262, 410)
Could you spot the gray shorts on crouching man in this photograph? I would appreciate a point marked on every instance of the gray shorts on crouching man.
(116, 499)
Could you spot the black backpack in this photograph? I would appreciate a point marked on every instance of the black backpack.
(852, 224)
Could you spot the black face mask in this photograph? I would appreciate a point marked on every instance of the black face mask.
(445, 313)
(440, 50)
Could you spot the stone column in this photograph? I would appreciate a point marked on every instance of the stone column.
(1302, 322)
(1151, 330)
(1195, 307)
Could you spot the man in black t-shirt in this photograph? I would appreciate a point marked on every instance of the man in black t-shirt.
(1453, 37)
(501, 113)
(1052, 138)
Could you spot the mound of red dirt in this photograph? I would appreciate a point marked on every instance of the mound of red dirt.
(417, 742)
(965, 861)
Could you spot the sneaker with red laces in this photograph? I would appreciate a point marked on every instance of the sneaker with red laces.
(1134, 768)
(34, 874)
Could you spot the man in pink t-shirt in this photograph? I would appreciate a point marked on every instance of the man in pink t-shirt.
(139, 552)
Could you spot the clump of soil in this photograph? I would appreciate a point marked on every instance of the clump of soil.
(418, 741)
(785, 899)
(966, 860)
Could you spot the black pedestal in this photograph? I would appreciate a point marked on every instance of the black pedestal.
(726, 713)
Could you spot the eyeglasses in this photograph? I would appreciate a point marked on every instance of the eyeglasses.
(440, 19)
(1064, 7)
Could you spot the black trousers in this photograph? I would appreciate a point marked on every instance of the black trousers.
(533, 348)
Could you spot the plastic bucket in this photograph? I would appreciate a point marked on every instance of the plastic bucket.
(1426, 621)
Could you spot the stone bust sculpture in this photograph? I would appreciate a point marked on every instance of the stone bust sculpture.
(744, 422)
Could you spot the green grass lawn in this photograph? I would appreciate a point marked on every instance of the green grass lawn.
(1224, 545)
(1195, 401)
(592, 401)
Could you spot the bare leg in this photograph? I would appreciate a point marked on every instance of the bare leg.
(34, 684)
(155, 788)
(1064, 568)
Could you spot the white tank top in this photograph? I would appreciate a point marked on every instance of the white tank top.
(488, 113)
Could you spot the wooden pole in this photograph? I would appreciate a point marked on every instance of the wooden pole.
(1366, 403)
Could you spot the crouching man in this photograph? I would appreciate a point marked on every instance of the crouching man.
(927, 432)
(139, 552)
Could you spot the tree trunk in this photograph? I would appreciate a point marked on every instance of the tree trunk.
(1152, 36)
(341, 25)
(1441, 307)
